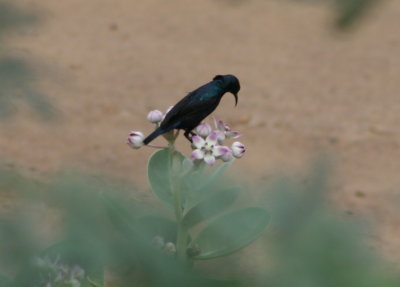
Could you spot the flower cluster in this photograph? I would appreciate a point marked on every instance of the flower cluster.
(135, 139)
(207, 143)
(55, 273)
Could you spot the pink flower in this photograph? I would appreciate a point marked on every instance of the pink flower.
(208, 149)
(225, 131)
(238, 149)
(135, 139)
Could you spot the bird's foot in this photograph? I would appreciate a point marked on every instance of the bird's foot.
(189, 135)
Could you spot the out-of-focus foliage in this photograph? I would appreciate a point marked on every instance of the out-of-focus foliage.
(16, 75)
(100, 227)
(349, 11)
(312, 245)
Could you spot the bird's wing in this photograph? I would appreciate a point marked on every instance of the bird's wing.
(191, 105)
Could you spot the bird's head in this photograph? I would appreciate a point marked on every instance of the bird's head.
(231, 84)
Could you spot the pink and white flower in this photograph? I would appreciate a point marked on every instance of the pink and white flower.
(155, 116)
(238, 149)
(208, 149)
(135, 139)
(225, 131)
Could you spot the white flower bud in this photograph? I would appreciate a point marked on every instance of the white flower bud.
(170, 248)
(135, 139)
(238, 149)
(155, 116)
(203, 130)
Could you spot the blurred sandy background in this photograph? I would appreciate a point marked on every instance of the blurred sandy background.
(306, 88)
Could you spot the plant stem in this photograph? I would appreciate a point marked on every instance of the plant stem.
(182, 235)
(181, 243)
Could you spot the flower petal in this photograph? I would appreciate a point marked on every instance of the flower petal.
(215, 122)
(227, 157)
(220, 125)
(197, 154)
(198, 141)
(220, 150)
(212, 138)
(203, 130)
(209, 159)
(221, 136)
(232, 134)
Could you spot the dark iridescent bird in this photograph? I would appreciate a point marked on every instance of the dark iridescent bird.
(192, 109)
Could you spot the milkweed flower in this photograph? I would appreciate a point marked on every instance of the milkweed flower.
(55, 273)
(135, 139)
(208, 149)
(155, 116)
(225, 131)
(238, 149)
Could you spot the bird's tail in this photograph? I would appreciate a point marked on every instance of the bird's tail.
(153, 135)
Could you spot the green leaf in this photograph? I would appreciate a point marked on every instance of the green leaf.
(230, 232)
(211, 206)
(199, 185)
(161, 170)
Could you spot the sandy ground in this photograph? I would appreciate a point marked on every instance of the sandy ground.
(305, 88)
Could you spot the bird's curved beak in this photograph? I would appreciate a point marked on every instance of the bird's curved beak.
(236, 98)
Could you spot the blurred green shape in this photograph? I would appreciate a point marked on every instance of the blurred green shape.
(230, 232)
(12, 17)
(16, 75)
(199, 185)
(213, 205)
(121, 216)
(160, 178)
(349, 11)
(4, 281)
(313, 243)
(57, 258)
(16, 79)
(151, 226)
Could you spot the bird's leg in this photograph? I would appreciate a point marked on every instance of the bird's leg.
(188, 135)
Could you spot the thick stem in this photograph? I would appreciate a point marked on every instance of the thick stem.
(181, 243)
(182, 235)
